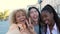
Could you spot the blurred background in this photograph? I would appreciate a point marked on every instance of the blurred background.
(7, 6)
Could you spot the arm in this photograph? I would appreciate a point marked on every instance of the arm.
(13, 29)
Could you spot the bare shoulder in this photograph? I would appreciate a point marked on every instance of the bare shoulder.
(13, 27)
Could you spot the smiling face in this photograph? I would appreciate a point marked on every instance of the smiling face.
(20, 16)
(47, 17)
(34, 14)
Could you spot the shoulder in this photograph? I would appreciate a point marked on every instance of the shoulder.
(13, 27)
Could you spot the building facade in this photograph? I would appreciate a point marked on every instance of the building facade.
(54, 3)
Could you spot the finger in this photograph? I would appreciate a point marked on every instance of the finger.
(29, 21)
(26, 22)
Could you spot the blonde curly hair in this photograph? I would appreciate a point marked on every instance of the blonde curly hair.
(12, 18)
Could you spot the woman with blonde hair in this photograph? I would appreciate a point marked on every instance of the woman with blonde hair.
(19, 23)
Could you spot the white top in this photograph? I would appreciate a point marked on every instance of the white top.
(54, 30)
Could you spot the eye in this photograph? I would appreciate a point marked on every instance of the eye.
(35, 11)
(18, 16)
(44, 16)
(31, 12)
(23, 14)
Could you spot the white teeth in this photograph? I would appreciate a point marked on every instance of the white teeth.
(22, 19)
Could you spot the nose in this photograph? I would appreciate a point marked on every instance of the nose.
(44, 19)
(34, 13)
(21, 18)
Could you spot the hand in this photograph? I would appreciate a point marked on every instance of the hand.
(30, 26)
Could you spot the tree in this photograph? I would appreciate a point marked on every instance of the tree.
(4, 16)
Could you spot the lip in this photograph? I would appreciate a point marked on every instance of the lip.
(22, 19)
(46, 21)
(34, 17)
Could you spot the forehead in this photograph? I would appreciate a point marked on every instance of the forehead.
(33, 9)
(45, 13)
(19, 13)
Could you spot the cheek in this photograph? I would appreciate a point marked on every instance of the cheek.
(24, 17)
(17, 18)
(31, 15)
(37, 14)
(49, 18)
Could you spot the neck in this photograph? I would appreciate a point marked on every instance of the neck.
(35, 22)
(51, 25)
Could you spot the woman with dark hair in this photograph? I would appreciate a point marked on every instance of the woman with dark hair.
(51, 19)
(34, 18)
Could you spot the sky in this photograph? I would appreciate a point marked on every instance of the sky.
(15, 4)
(11, 5)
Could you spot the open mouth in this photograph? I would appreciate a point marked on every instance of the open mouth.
(22, 20)
(46, 21)
(35, 17)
